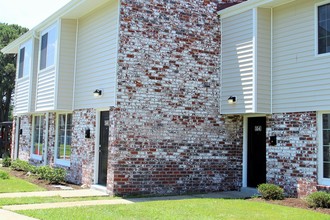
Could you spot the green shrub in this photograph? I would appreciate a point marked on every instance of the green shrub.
(318, 199)
(53, 175)
(6, 162)
(43, 172)
(4, 175)
(58, 175)
(270, 191)
(21, 165)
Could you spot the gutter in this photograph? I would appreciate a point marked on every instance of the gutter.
(250, 4)
(12, 48)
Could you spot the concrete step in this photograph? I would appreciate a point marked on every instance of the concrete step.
(99, 188)
(250, 191)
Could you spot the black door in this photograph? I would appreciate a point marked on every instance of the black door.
(256, 164)
(103, 150)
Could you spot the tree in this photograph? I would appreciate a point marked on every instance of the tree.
(8, 33)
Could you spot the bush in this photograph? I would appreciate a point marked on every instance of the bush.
(53, 175)
(318, 200)
(21, 165)
(6, 162)
(271, 191)
(4, 175)
(43, 172)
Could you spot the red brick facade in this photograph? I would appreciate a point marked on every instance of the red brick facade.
(167, 134)
(292, 163)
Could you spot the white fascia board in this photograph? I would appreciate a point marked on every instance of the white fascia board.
(72, 6)
(13, 47)
(241, 7)
(250, 4)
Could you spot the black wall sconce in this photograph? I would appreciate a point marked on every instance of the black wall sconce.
(20, 131)
(232, 100)
(97, 93)
(87, 133)
(272, 141)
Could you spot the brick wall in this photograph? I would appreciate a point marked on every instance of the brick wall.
(82, 153)
(167, 135)
(13, 135)
(25, 138)
(292, 163)
(51, 138)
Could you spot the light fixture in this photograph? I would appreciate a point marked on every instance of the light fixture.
(97, 92)
(232, 100)
(88, 133)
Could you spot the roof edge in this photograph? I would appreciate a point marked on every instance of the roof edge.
(12, 47)
(241, 7)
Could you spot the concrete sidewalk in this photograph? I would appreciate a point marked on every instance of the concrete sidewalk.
(8, 215)
(90, 192)
(112, 201)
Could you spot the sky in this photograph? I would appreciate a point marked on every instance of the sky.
(28, 13)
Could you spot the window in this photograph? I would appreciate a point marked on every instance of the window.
(64, 135)
(38, 133)
(324, 148)
(48, 47)
(323, 28)
(24, 65)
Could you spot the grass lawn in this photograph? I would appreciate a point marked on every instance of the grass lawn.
(180, 209)
(14, 184)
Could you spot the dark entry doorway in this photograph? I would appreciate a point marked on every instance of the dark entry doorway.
(256, 158)
(103, 150)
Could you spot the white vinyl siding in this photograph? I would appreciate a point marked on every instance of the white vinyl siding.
(22, 95)
(46, 79)
(263, 78)
(237, 63)
(97, 57)
(45, 99)
(300, 78)
(25, 88)
(66, 65)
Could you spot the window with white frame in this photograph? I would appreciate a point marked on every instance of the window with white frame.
(48, 47)
(38, 135)
(323, 19)
(25, 58)
(324, 148)
(64, 136)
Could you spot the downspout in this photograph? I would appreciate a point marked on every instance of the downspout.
(35, 35)
(271, 60)
(220, 69)
(46, 140)
(75, 66)
(255, 60)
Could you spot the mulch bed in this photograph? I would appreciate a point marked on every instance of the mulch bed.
(292, 202)
(33, 179)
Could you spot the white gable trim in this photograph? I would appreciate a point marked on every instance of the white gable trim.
(250, 4)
